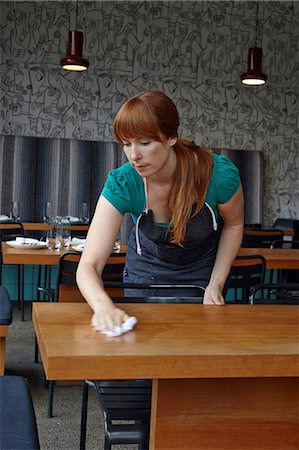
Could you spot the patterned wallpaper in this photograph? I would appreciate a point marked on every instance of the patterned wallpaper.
(194, 51)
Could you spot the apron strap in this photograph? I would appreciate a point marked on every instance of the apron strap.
(138, 247)
(146, 194)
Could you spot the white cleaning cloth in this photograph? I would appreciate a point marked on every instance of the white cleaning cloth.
(128, 325)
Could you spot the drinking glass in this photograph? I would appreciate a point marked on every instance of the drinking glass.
(54, 236)
(85, 213)
(59, 233)
(50, 237)
(14, 215)
(66, 231)
(47, 212)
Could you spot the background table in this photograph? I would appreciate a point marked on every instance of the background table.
(277, 258)
(35, 226)
(223, 377)
(29, 256)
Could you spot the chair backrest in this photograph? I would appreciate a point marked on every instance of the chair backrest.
(9, 231)
(280, 294)
(246, 272)
(154, 292)
(66, 285)
(5, 307)
(280, 243)
(124, 397)
(260, 238)
(248, 226)
(79, 231)
(113, 272)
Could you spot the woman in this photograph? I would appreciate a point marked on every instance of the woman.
(187, 205)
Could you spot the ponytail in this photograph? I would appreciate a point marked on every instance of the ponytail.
(191, 180)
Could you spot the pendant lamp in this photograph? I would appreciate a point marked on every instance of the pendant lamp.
(254, 75)
(74, 60)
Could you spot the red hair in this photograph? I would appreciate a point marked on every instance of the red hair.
(153, 115)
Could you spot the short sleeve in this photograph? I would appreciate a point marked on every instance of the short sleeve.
(124, 190)
(225, 179)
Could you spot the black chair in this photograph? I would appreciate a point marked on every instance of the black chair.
(17, 416)
(246, 272)
(288, 224)
(129, 401)
(281, 243)
(256, 225)
(65, 287)
(79, 231)
(153, 292)
(5, 321)
(262, 238)
(287, 275)
(280, 294)
(126, 407)
(9, 232)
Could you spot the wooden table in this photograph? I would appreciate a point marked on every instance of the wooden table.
(224, 378)
(35, 226)
(278, 258)
(27, 256)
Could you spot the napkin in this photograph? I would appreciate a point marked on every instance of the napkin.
(70, 219)
(4, 218)
(128, 325)
(78, 241)
(74, 219)
(24, 240)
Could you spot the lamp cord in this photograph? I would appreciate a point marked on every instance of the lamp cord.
(256, 22)
(77, 10)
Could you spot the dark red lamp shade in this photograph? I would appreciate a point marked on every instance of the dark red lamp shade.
(254, 75)
(74, 60)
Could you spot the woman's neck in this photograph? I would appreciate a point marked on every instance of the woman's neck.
(166, 173)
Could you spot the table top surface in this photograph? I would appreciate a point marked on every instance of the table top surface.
(279, 258)
(276, 258)
(31, 256)
(170, 341)
(42, 226)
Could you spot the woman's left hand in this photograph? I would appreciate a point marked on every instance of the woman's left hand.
(213, 295)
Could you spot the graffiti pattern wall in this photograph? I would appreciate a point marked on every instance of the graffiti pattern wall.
(194, 51)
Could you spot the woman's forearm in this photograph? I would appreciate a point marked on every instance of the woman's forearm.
(229, 244)
(91, 287)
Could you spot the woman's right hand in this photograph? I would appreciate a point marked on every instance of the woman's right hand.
(107, 317)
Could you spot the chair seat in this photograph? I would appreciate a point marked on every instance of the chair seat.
(126, 434)
(5, 307)
(17, 417)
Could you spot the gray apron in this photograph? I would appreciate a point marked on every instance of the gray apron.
(151, 258)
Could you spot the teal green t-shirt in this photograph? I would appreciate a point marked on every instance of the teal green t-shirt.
(124, 187)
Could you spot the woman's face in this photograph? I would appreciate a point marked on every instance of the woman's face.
(147, 156)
